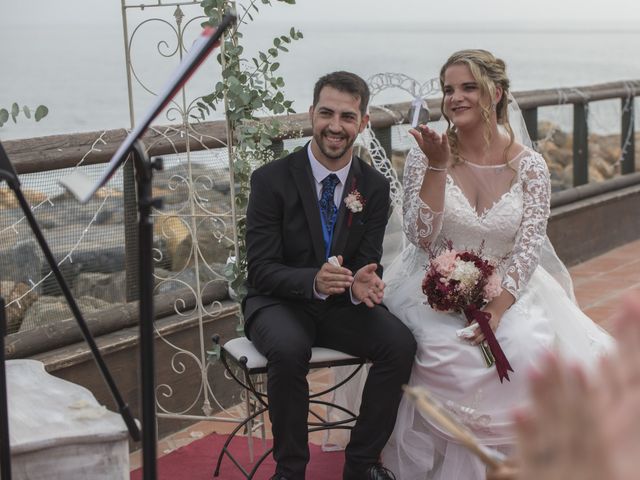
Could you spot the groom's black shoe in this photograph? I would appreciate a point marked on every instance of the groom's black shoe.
(371, 472)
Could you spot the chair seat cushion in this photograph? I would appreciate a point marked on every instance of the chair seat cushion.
(320, 356)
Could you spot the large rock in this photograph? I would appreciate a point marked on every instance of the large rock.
(554, 154)
(110, 216)
(174, 185)
(8, 198)
(549, 131)
(172, 230)
(21, 262)
(18, 302)
(96, 258)
(50, 285)
(110, 287)
(5, 288)
(210, 250)
(211, 282)
(46, 310)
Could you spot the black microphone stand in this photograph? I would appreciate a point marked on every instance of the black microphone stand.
(8, 174)
(83, 189)
(144, 176)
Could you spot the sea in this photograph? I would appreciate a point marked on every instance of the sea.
(76, 67)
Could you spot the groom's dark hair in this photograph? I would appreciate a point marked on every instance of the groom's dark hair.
(344, 82)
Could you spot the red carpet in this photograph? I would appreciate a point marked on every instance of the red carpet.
(197, 461)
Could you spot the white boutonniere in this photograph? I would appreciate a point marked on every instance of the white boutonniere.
(354, 201)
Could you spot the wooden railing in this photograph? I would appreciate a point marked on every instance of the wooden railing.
(64, 151)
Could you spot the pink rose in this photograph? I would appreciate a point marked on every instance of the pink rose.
(445, 263)
(493, 288)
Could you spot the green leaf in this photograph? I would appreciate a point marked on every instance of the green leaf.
(209, 99)
(245, 97)
(274, 66)
(228, 270)
(266, 142)
(41, 112)
(15, 110)
(27, 112)
(4, 116)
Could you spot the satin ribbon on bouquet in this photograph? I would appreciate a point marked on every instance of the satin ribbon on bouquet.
(473, 313)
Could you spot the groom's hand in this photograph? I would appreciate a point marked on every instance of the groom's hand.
(333, 279)
(367, 286)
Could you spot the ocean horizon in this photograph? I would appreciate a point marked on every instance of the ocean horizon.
(78, 69)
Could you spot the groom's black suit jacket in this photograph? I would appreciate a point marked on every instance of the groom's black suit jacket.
(285, 246)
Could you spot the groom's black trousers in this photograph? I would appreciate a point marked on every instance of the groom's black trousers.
(284, 334)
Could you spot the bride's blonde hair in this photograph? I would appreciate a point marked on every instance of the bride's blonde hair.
(490, 72)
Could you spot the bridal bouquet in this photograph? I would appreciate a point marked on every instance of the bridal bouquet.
(463, 282)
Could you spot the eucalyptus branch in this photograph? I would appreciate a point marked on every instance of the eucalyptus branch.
(40, 112)
(248, 87)
(246, 13)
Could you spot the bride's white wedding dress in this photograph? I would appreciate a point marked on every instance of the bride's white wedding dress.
(505, 209)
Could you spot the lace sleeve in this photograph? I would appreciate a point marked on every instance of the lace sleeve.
(421, 223)
(536, 189)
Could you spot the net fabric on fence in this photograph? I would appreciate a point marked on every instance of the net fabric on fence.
(87, 242)
(91, 249)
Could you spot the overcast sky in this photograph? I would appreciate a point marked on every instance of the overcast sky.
(396, 11)
(452, 11)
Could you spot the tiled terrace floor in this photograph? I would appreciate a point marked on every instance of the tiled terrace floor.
(598, 284)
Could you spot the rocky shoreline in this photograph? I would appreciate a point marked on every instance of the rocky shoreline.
(556, 146)
(91, 240)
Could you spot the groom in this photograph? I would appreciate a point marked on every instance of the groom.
(297, 218)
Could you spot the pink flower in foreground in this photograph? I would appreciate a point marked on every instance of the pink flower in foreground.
(493, 288)
(445, 263)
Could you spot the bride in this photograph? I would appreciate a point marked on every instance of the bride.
(477, 186)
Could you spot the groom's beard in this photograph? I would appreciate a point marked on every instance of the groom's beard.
(327, 151)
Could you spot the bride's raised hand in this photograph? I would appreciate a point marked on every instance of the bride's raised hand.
(433, 144)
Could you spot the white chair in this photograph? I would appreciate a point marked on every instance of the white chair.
(240, 356)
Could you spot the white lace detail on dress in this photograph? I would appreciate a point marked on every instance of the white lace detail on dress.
(536, 194)
(512, 230)
(421, 224)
